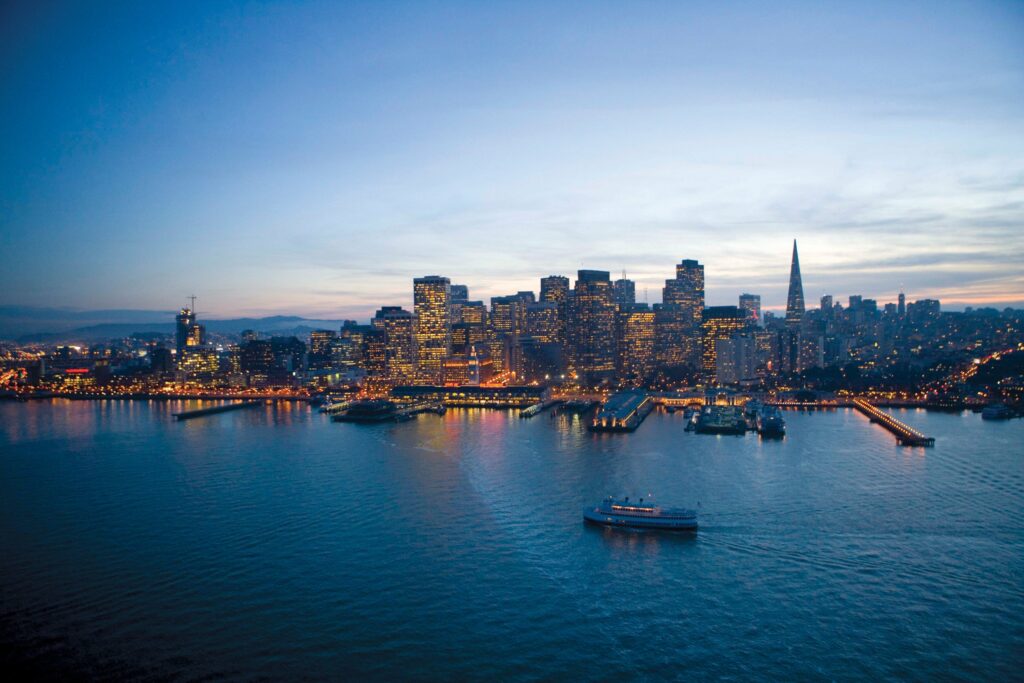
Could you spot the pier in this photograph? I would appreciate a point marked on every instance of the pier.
(905, 434)
(213, 410)
(622, 412)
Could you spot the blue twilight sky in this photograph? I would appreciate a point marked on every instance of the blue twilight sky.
(314, 157)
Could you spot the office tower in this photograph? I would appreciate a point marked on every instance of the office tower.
(199, 362)
(505, 316)
(855, 301)
(555, 289)
(795, 298)
(432, 305)
(542, 321)
(375, 351)
(473, 313)
(826, 303)
(720, 322)
(399, 328)
(460, 295)
(736, 358)
(289, 353)
(679, 317)
(593, 325)
(526, 296)
(635, 344)
(751, 303)
(902, 306)
(320, 348)
(536, 360)
(506, 320)
(625, 291)
(256, 360)
(185, 321)
(471, 328)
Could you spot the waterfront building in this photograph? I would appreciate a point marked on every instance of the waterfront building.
(795, 297)
(751, 303)
(624, 291)
(635, 346)
(199, 363)
(432, 304)
(593, 325)
(719, 322)
(256, 361)
(736, 359)
(537, 360)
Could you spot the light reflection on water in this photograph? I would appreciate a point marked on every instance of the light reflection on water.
(270, 542)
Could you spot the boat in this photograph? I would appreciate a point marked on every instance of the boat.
(721, 420)
(996, 411)
(770, 423)
(640, 515)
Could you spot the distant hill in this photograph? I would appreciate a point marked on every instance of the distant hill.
(29, 324)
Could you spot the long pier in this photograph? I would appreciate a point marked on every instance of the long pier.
(905, 434)
(623, 412)
(213, 410)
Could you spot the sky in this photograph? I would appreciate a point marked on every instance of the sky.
(312, 158)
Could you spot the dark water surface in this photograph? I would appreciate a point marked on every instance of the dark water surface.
(271, 543)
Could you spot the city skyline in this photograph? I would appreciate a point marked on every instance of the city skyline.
(308, 158)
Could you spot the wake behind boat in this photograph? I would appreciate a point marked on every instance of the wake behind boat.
(641, 515)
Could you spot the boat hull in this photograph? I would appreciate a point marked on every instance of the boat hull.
(596, 516)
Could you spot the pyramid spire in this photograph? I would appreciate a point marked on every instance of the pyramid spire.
(795, 298)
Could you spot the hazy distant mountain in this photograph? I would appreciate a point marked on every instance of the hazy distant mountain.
(28, 324)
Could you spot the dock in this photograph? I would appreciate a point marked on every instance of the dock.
(905, 434)
(623, 412)
(213, 410)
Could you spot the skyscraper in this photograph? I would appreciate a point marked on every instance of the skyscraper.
(795, 298)
(751, 303)
(399, 326)
(593, 322)
(460, 295)
(555, 289)
(625, 291)
(901, 309)
(635, 344)
(679, 316)
(432, 300)
(184, 322)
(720, 322)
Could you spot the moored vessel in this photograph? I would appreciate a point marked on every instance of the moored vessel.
(640, 515)
(770, 423)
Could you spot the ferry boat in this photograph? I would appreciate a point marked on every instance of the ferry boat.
(770, 423)
(641, 515)
(996, 411)
(721, 420)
